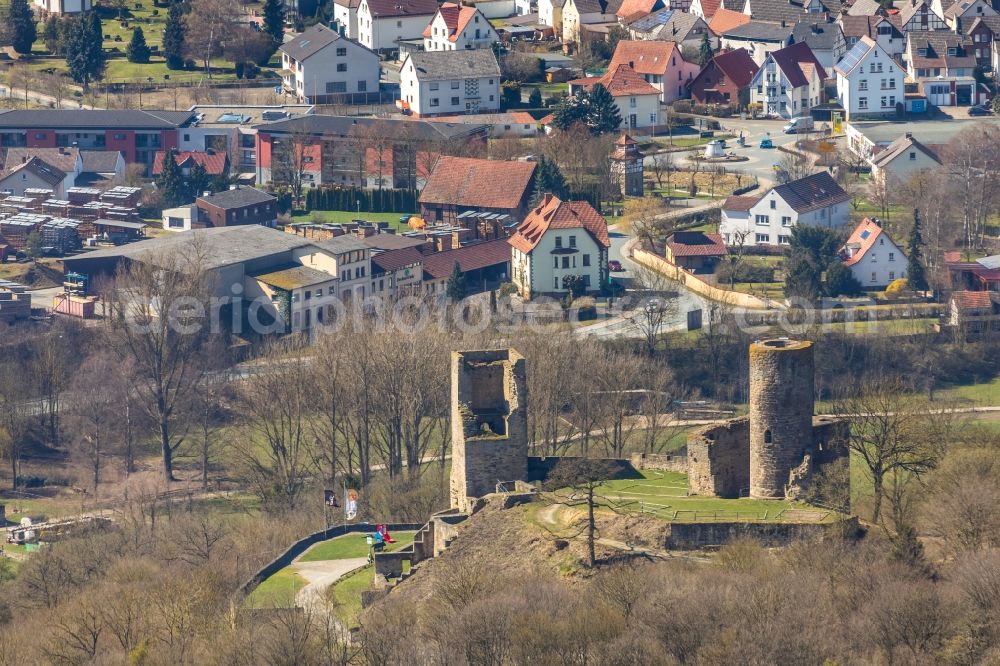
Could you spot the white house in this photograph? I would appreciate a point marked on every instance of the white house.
(550, 14)
(758, 38)
(559, 239)
(34, 173)
(825, 39)
(46, 7)
(637, 100)
(180, 218)
(944, 64)
(873, 257)
(449, 82)
(879, 28)
(345, 16)
(321, 66)
(869, 82)
(456, 28)
(902, 158)
(917, 15)
(962, 13)
(383, 23)
(768, 220)
(660, 63)
(525, 7)
(494, 9)
(789, 83)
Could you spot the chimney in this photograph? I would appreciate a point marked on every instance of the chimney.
(546, 199)
(782, 23)
(631, 63)
(24, 159)
(909, 135)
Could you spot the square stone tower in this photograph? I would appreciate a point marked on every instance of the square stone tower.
(489, 423)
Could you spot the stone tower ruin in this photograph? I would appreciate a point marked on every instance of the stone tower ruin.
(781, 412)
(489, 424)
(777, 450)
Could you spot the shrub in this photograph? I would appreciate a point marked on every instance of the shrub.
(745, 272)
(899, 288)
(682, 106)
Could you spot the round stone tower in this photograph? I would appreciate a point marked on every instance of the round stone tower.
(781, 410)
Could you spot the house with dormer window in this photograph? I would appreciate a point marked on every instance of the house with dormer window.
(943, 65)
(456, 28)
(660, 63)
(963, 12)
(873, 257)
(789, 82)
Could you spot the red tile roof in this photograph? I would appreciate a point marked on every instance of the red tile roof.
(863, 238)
(476, 183)
(696, 244)
(710, 7)
(630, 8)
(737, 65)
(553, 213)
(621, 80)
(646, 57)
(734, 202)
(439, 265)
(388, 8)
(393, 260)
(791, 59)
(455, 18)
(972, 300)
(214, 163)
(725, 20)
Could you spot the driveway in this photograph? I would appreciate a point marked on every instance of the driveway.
(320, 576)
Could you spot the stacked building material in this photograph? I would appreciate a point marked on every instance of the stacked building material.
(81, 195)
(122, 195)
(15, 229)
(62, 235)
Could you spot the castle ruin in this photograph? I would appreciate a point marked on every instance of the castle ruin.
(489, 423)
(779, 448)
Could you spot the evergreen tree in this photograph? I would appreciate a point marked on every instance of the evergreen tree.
(171, 182)
(84, 49)
(456, 284)
(602, 112)
(548, 178)
(840, 281)
(915, 275)
(274, 20)
(570, 111)
(198, 181)
(704, 51)
(21, 26)
(173, 37)
(137, 49)
(535, 98)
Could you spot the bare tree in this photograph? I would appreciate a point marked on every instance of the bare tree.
(575, 483)
(207, 27)
(290, 162)
(661, 166)
(654, 309)
(95, 413)
(156, 310)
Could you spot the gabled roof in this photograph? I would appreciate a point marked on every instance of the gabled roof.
(790, 61)
(678, 27)
(653, 21)
(594, 6)
(725, 20)
(644, 56)
(624, 80)
(855, 56)
(631, 9)
(455, 19)
(439, 265)
(696, 244)
(759, 31)
(737, 65)
(812, 192)
(100, 161)
(476, 183)
(100, 119)
(314, 40)
(789, 11)
(900, 146)
(865, 8)
(237, 197)
(819, 36)
(972, 300)
(710, 7)
(739, 203)
(416, 130)
(63, 159)
(909, 9)
(393, 260)
(959, 8)
(392, 8)
(867, 26)
(937, 44)
(553, 213)
(450, 65)
(39, 168)
(214, 163)
(863, 239)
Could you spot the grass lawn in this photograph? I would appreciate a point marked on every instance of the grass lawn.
(347, 595)
(342, 216)
(278, 591)
(980, 394)
(772, 290)
(351, 546)
(664, 495)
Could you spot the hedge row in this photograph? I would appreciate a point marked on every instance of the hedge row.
(369, 201)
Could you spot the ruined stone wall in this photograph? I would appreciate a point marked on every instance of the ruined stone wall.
(663, 462)
(781, 410)
(692, 536)
(489, 423)
(718, 460)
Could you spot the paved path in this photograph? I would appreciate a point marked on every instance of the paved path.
(320, 576)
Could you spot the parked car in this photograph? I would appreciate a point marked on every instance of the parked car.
(615, 266)
(980, 110)
(766, 143)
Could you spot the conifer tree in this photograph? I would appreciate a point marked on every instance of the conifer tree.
(21, 26)
(171, 182)
(173, 37)
(704, 51)
(85, 50)
(137, 49)
(456, 283)
(915, 275)
(602, 112)
(274, 20)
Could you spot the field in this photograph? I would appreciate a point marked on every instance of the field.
(664, 495)
(278, 590)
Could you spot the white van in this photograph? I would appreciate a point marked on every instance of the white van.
(800, 124)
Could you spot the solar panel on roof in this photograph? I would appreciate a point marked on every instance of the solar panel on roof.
(853, 57)
(865, 234)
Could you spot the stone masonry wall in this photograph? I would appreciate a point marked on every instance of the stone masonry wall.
(692, 536)
(781, 410)
(663, 462)
(719, 459)
(489, 423)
